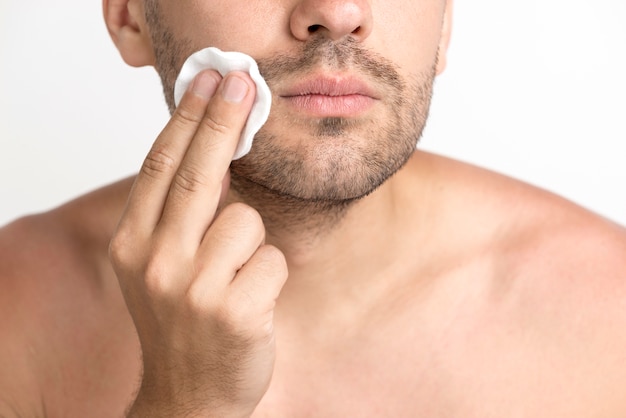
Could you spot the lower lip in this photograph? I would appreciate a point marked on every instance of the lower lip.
(331, 106)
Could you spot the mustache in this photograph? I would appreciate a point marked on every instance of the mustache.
(336, 55)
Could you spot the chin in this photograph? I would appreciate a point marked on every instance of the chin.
(330, 169)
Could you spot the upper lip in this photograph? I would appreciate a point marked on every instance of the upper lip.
(329, 85)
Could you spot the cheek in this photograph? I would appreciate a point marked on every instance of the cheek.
(231, 25)
(410, 34)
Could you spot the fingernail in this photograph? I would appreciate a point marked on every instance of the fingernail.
(235, 89)
(204, 85)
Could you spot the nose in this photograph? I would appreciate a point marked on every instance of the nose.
(334, 19)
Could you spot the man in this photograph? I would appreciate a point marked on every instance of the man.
(333, 271)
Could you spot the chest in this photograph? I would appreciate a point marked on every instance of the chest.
(476, 369)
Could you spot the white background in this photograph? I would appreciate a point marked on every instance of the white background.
(534, 89)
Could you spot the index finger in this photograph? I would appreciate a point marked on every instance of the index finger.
(149, 192)
(196, 188)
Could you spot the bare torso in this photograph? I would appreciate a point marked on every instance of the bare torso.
(523, 317)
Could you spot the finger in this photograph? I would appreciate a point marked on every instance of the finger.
(152, 184)
(259, 282)
(229, 243)
(196, 188)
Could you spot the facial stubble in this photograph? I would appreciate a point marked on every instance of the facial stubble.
(336, 161)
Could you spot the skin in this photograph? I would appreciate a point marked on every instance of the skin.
(447, 291)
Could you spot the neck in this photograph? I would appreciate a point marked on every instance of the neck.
(288, 218)
(340, 252)
(313, 234)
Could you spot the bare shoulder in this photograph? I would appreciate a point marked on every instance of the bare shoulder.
(556, 242)
(552, 318)
(559, 294)
(539, 239)
(563, 285)
(61, 315)
(571, 243)
(539, 229)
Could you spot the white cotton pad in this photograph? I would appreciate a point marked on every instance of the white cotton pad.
(224, 62)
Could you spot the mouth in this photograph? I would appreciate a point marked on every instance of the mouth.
(330, 96)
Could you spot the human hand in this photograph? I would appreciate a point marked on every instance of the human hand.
(200, 284)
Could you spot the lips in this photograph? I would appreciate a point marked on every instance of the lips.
(330, 96)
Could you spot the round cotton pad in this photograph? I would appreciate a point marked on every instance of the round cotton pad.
(224, 62)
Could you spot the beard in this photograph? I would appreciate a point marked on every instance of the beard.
(337, 159)
(317, 164)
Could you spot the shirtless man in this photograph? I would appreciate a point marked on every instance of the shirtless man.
(332, 272)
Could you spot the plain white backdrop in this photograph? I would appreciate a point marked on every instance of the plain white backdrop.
(534, 89)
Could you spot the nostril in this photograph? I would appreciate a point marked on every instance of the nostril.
(315, 28)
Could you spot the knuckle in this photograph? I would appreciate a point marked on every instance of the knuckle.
(157, 163)
(271, 259)
(185, 117)
(215, 125)
(160, 273)
(242, 214)
(247, 316)
(233, 318)
(191, 179)
(239, 221)
(156, 277)
(120, 248)
(198, 299)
